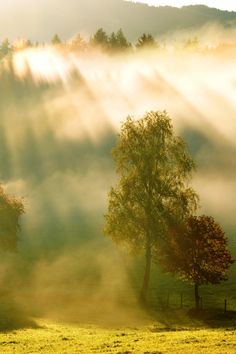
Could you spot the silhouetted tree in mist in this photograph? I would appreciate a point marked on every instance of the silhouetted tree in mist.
(115, 42)
(100, 38)
(118, 41)
(146, 41)
(152, 193)
(56, 40)
(5, 48)
(78, 43)
(197, 252)
(11, 209)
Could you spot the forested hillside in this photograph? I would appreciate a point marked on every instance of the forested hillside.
(69, 17)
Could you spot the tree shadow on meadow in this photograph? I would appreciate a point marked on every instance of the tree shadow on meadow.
(179, 319)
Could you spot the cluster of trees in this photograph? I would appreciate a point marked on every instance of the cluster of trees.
(116, 41)
(153, 207)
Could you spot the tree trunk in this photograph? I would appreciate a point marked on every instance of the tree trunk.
(197, 297)
(146, 278)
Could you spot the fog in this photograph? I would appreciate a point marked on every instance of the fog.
(60, 114)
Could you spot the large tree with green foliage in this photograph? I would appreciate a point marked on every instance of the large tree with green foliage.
(11, 209)
(197, 251)
(152, 193)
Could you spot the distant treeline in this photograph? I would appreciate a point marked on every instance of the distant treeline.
(114, 42)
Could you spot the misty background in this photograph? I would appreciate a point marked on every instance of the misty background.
(60, 115)
(18, 18)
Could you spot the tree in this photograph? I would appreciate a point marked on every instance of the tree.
(5, 48)
(11, 209)
(152, 192)
(78, 43)
(146, 41)
(113, 41)
(198, 253)
(56, 40)
(100, 38)
(118, 41)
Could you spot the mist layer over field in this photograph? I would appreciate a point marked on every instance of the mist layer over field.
(60, 113)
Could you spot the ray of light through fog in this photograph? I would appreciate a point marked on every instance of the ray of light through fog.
(60, 113)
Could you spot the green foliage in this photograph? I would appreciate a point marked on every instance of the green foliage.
(118, 41)
(146, 41)
(100, 38)
(115, 42)
(154, 168)
(11, 209)
(152, 193)
(198, 252)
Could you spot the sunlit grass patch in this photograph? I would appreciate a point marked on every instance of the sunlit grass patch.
(59, 338)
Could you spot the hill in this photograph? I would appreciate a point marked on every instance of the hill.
(67, 17)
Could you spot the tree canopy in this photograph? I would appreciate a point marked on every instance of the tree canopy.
(153, 191)
(118, 41)
(100, 38)
(198, 252)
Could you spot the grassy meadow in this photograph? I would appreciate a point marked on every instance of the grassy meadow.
(165, 326)
(190, 336)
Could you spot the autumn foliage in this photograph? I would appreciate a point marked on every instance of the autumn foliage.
(198, 252)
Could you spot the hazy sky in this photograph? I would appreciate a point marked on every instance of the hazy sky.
(220, 4)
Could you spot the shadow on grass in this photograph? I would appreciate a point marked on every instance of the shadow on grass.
(13, 317)
(179, 319)
(215, 318)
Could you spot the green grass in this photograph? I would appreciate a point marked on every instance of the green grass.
(149, 331)
(104, 328)
(54, 337)
(164, 286)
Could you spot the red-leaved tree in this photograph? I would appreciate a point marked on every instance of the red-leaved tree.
(198, 253)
